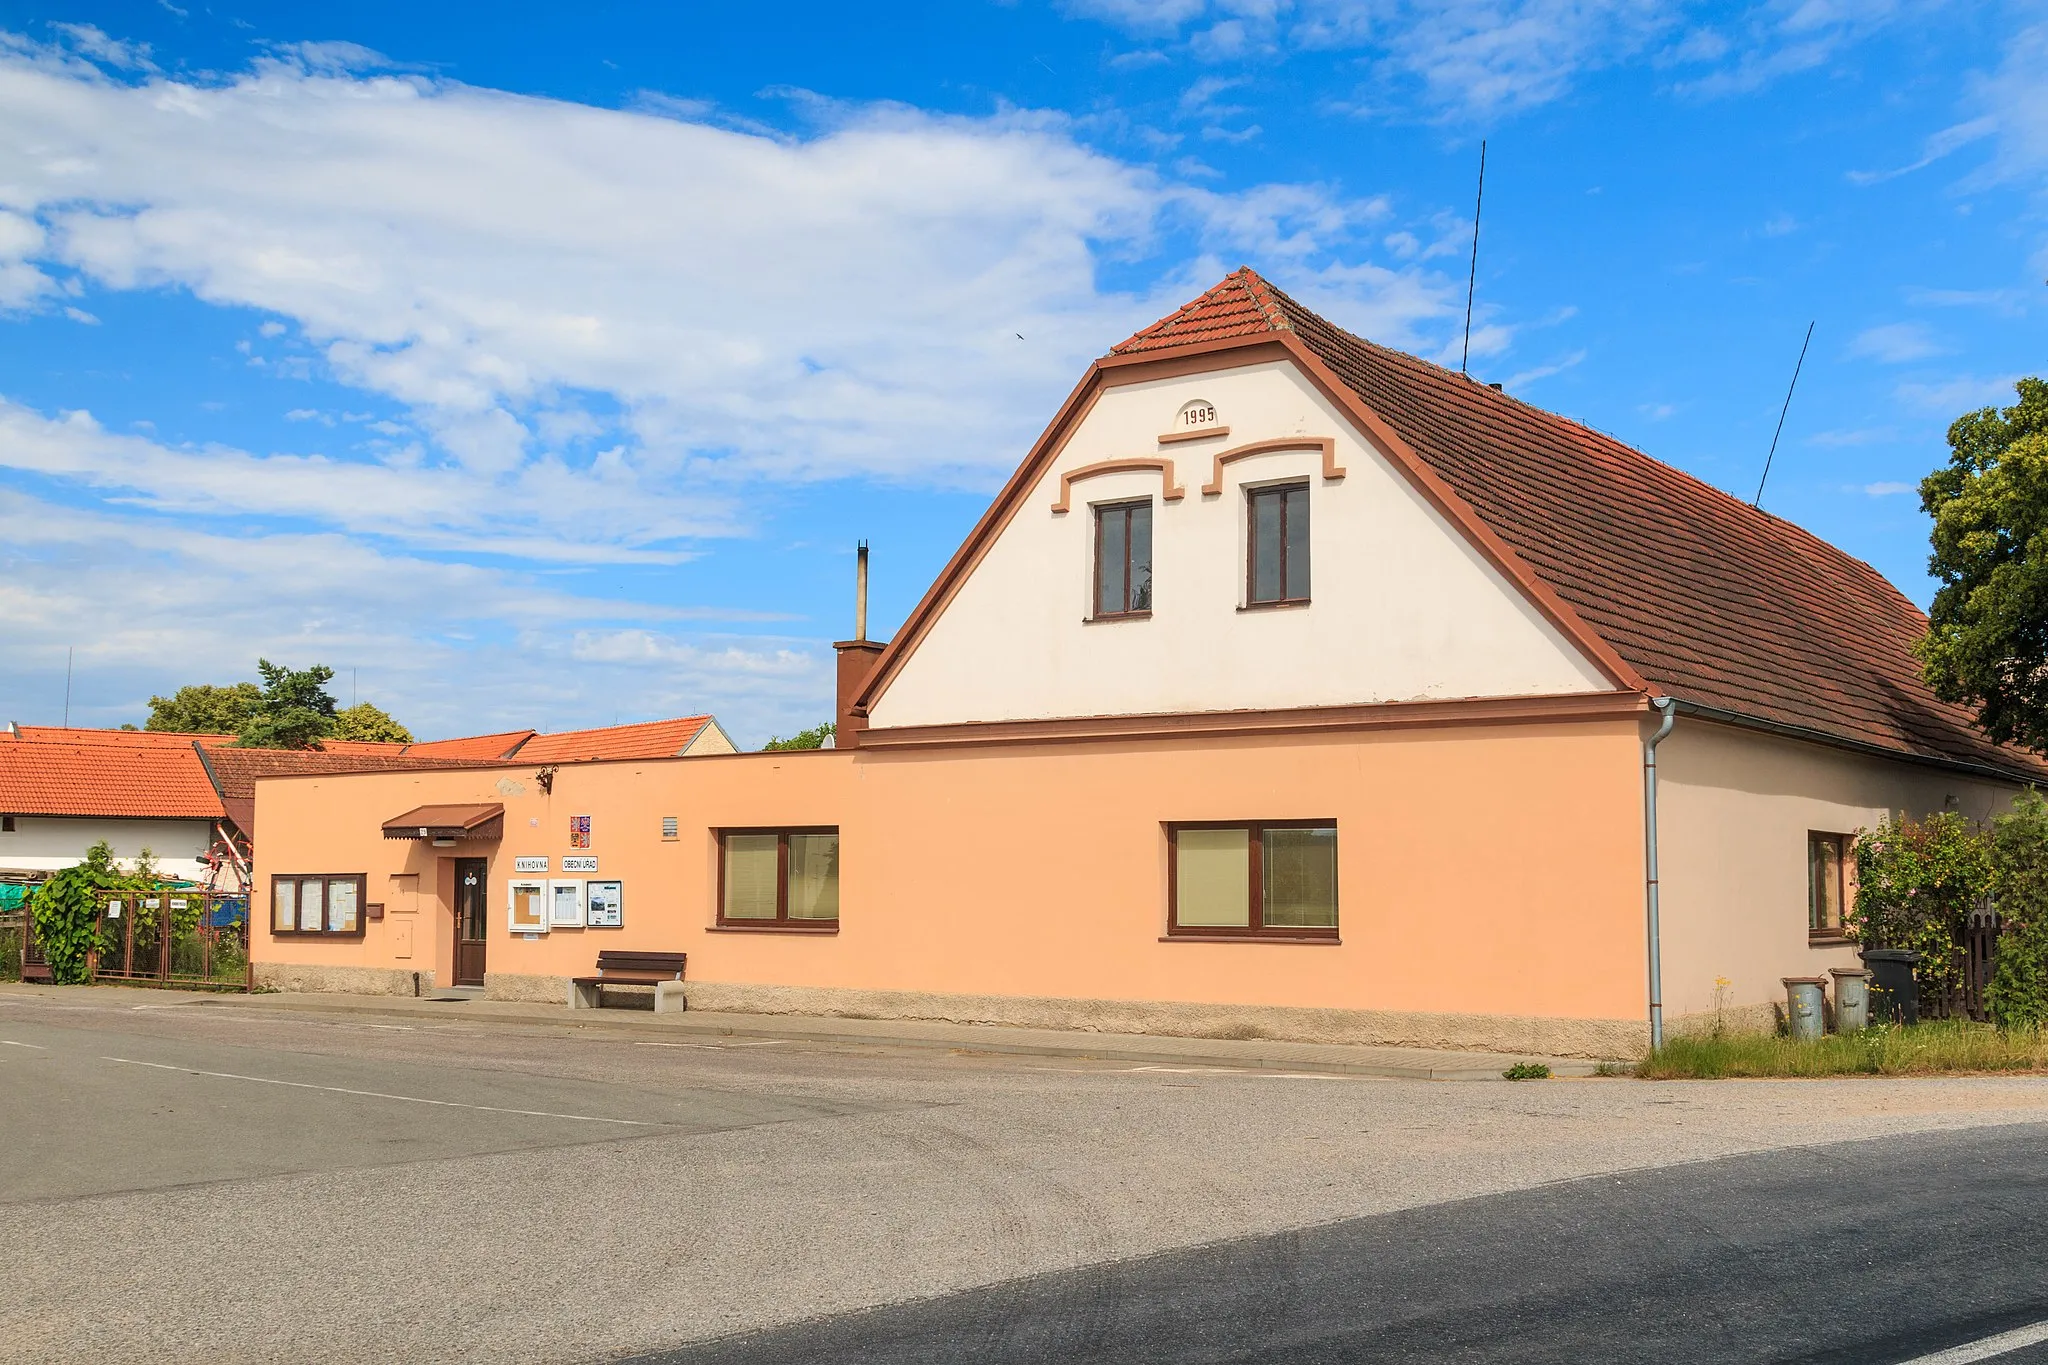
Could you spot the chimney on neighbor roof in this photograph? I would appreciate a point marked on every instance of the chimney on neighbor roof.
(856, 659)
(14, 729)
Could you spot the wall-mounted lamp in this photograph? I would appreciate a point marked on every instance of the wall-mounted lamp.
(444, 843)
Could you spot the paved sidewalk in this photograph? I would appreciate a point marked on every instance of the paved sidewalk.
(1227, 1053)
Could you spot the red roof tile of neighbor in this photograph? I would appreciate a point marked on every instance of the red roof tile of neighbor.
(654, 739)
(123, 773)
(502, 745)
(1710, 600)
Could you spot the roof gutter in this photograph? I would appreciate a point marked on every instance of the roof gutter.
(1668, 709)
(1812, 736)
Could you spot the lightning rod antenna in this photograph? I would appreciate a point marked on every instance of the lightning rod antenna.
(1758, 500)
(1472, 280)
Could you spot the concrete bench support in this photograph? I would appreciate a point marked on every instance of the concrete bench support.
(669, 998)
(582, 997)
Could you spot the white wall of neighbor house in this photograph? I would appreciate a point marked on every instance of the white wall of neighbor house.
(1403, 607)
(51, 842)
(1734, 811)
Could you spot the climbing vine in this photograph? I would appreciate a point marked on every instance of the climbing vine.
(67, 915)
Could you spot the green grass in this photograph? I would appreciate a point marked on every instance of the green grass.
(1949, 1047)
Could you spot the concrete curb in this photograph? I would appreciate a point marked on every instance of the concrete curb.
(1143, 1049)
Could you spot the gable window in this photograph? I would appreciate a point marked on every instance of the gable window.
(1827, 886)
(778, 879)
(331, 905)
(1252, 880)
(1276, 561)
(6, 824)
(1123, 559)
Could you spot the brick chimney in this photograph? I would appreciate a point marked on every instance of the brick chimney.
(856, 659)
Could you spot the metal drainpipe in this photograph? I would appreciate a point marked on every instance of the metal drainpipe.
(1668, 707)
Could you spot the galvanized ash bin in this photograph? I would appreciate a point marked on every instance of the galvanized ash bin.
(1806, 1002)
(1852, 999)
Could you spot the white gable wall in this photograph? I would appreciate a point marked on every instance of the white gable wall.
(50, 843)
(1404, 608)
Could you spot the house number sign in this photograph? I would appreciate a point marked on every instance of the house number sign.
(1195, 414)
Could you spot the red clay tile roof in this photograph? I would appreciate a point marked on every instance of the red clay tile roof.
(127, 773)
(1243, 305)
(1709, 599)
(655, 739)
(502, 745)
(235, 770)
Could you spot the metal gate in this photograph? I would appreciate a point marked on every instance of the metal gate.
(174, 936)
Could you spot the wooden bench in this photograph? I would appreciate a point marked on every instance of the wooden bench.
(663, 971)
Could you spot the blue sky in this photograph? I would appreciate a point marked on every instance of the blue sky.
(541, 364)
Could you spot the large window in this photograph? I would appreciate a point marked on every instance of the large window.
(1827, 886)
(1276, 561)
(1123, 559)
(329, 904)
(778, 879)
(1276, 880)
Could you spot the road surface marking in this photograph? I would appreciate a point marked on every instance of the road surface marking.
(380, 1095)
(11, 1043)
(2005, 1343)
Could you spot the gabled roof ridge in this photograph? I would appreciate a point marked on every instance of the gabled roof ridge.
(1241, 304)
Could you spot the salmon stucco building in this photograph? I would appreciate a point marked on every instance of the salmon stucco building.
(1292, 686)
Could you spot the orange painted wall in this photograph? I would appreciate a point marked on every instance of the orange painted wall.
(1487, 870)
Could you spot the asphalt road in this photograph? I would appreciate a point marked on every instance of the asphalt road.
(228, 1182)
(1861, 1253)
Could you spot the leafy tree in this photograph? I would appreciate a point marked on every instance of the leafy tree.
(203, 709)
(295, 710)
(1916, 883)
(2018, 994)
(813, 738)
(1987, 642)
(364, 721)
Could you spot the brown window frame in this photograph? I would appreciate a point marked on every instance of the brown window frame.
(1095, 612)
(1845, 866)
(782, 923)
(1256, 930)
(362, 882)
(1252, 600)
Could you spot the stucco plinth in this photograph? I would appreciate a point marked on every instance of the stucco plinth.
(1758, 1017)
(1550, 1037)
(552, 990)
(298, 976)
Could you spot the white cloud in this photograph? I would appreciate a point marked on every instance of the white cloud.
(1480, 58)
(93, 43)
(1964, 393)
(1657, 412)
(1886, 490)
(845, 302)
(1531, 375)
(1895, 343)
(545, 512)
(131, 595)
(1943, 143)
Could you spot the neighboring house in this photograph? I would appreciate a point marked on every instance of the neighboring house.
(64, 790)
(1292, 687)
(190, 799)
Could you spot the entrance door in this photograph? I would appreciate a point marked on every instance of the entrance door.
(472, 917)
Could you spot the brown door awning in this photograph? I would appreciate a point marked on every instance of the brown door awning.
(448, 822)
